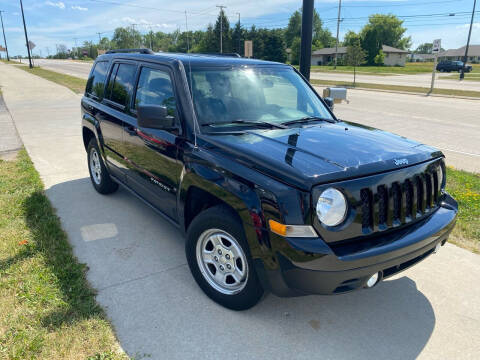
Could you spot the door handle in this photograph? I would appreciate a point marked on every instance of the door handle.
(131, 130)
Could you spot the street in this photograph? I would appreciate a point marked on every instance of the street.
(82, 69)
(136, 259)
(421, 80)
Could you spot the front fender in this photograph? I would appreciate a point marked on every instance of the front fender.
(255, 197)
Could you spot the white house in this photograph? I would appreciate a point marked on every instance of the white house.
(393, 56)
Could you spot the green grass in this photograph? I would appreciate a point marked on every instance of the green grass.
(410, 89)
(465, 188)
(75, 84)
(408, 69)
(10, 62)
(47, 308)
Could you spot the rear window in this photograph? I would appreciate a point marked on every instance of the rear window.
(96, 81)
(121, 87)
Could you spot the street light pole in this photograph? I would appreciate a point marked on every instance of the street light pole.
(4, 38)
(221, 27)
(462, 73)
(306, 41)
(26, 37)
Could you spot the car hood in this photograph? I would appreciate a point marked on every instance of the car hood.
(319, 153)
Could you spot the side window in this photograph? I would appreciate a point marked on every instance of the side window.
(120, 88)
(96, 81)
(155, 88)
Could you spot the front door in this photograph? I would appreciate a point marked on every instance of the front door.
(112, 114)
(153, 169)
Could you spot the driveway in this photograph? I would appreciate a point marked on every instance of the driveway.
(137, 263)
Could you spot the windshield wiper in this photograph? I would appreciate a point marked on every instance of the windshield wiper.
(248, 122)
(307, 119)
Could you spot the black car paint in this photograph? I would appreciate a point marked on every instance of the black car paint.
(268, 174)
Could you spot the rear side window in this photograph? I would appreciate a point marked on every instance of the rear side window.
(122, 85)
(96, 81)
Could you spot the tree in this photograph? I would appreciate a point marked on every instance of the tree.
(126, 38)
(379, 58)
(320, 38)
(425, 48)
(351, 38)
(296, 44)
(355, 56)
(383, 30)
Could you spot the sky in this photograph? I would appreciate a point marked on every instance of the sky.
(51, 22)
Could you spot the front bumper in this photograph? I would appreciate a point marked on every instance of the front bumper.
(310, 266)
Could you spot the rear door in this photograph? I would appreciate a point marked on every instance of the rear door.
(113, 112)
(153, 168)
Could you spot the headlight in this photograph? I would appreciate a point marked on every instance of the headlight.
(331, 207)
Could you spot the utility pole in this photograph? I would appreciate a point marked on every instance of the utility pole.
(239, 31)
(306, 42)
(133, 33)
(76, 47)
(4, 38)
(151, 37)
(338, 29)
(26, 37)
(221, 26)
(186, 29)
(462, 73)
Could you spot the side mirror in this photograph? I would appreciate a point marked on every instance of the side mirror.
(155, 117)
(329, 101)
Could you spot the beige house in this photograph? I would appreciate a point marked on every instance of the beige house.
(458, 54)
(393, 56)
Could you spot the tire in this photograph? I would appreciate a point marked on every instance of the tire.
(101, 180)
(207, 250)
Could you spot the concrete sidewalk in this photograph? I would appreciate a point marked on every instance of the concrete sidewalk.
(137, 263)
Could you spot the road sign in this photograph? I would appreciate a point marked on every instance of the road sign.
(437, 45)
(248, 48)
(31, 45)
(2, 48)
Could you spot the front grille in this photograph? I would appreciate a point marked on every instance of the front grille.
(400, 202)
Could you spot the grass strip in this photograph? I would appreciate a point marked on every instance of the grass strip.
(408, 69)
(47, 308)
(465, 188)
(410, 89)
(74, 83)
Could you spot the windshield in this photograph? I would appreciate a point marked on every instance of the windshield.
(274, 95)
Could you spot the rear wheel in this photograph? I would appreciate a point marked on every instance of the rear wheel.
(219, 259)
(101, 180)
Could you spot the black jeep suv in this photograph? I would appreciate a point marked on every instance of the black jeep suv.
(272, 191)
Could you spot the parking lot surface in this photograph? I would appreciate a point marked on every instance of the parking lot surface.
(137, 263)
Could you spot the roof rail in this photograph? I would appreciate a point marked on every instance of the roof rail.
(217, 54)
(141, 51)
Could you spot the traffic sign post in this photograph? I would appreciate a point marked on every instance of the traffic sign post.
(437, 45)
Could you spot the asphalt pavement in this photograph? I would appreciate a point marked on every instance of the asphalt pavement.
(136, 262)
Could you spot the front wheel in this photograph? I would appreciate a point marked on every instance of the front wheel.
(219, 259)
